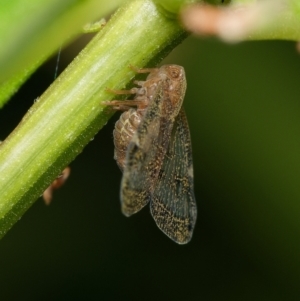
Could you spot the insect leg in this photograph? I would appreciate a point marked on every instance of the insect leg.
(142, 70)
(120, 92)
(129, 103)
(120, 107)
(139, 83)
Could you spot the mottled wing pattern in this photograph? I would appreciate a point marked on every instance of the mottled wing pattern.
(173, 204)
(145, 155)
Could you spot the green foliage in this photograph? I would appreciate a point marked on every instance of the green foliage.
(33, 30)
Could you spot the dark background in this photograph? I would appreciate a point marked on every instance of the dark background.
(243, 108)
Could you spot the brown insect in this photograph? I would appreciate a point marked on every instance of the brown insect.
(153, 149)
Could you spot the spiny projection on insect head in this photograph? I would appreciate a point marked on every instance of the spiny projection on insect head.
(153, 149)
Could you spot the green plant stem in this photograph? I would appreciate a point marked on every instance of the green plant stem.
(68, 115)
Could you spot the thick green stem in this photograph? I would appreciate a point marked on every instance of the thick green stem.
(67, 116)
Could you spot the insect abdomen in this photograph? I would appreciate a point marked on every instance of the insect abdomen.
(125, 128)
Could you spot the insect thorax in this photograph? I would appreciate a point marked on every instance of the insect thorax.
(125, 128)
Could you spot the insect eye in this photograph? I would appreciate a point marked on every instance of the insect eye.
(174, 73)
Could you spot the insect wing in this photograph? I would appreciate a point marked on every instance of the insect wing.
(145, 155)
(173, 204)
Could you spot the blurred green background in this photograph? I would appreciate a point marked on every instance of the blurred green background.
(243, 108)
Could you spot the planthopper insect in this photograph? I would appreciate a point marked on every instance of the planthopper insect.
(153, 149)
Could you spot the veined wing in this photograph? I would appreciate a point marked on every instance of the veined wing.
(173, 204)
(145, 154)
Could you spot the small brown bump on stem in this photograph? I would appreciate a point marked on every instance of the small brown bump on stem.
(57, 183)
